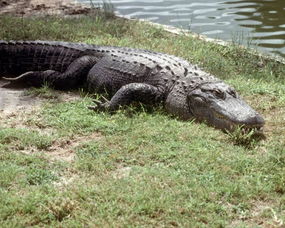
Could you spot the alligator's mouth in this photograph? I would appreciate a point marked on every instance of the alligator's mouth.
(230, 124)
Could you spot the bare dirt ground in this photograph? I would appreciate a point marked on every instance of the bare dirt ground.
(11, 100)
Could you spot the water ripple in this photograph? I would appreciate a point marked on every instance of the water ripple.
(262, 21)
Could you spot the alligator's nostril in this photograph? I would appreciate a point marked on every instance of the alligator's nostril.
(256, 120)
(259, 119)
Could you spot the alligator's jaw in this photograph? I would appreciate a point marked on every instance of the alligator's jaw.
(234, 112)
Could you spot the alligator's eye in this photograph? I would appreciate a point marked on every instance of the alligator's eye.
(219, 94)
(199, 100)
(233, 93)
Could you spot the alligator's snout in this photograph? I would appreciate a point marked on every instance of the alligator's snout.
(230, 121)
(254, 121)
(220, 106)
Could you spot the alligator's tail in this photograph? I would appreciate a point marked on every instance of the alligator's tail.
(18, 57)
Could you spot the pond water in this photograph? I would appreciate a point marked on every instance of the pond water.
(259, 23)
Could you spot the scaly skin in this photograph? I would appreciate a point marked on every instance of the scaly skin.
(127, 75)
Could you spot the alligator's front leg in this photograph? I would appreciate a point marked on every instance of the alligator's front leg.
(133, 92)
(74, 76)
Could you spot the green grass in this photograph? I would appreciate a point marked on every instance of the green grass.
(137, 168)
(42, 92)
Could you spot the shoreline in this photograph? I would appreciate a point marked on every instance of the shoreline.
(65, 8)
(186, 32)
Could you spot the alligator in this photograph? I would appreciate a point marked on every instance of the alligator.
(127, 75)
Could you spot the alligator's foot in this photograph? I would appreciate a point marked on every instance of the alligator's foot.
(99, 105)
(126, 95)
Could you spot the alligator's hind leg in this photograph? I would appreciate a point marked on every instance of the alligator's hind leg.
(133, 92)
(74, 76)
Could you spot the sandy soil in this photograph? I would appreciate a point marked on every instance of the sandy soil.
(11, 100)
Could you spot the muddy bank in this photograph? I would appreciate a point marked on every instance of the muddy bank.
(42, 7)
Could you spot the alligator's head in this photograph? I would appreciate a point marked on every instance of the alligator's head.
(216, 103)
(219, 105)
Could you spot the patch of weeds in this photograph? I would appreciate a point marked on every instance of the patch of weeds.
(37, 176)
(69, 117)
(43, 92)
(61, 207)
(105, 9)
(94, 156)
(22, 170)
(22, 138)
(102, 17)
(8, 174)
(75, 117)
(246, 138)
(155, 32)
(89, 150)
(27, 207)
